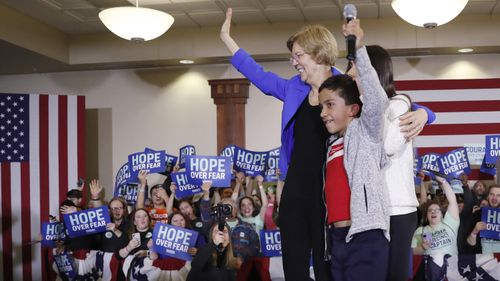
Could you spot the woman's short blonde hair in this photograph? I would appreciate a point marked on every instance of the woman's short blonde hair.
(318, 42)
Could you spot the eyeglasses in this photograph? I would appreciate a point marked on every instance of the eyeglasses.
(296, 57)
(433, 210)
(116, 208)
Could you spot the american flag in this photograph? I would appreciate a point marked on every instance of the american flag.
(466, 111)
(42, 155)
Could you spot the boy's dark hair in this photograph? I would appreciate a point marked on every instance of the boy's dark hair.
(68, 203)
(346, 87)
(74, 193)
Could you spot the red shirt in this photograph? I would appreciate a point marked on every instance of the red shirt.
(337, 191)
(158, 215)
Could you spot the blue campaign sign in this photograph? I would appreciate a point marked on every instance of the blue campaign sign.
(151, 161)
(170, 162)
(430, 163)
(128, 192)
(87, 222)
(488, 168)
(51, 232)
(216, 169)
(454, 163)
(228, 151)
(491, 217)
(123, 176)
(185, 187)
(417, 166)
(250, 162)
(173, 241)
(270, 243)
(184, 152)
(492, 148)
(273, 157)
(65, 265)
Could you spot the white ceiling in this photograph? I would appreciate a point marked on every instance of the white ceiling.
(81, 16)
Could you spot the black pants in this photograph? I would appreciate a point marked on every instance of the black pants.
(402, 229)
(364, 258)
(301, 222)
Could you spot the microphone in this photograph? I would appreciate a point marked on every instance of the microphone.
(350, 13)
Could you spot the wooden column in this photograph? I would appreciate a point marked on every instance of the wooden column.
(230, 97)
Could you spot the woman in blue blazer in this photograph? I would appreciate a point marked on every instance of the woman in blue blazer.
(303, 137)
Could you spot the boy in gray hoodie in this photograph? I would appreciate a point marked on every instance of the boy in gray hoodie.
(355, 195)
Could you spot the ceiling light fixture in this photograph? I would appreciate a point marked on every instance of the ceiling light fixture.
(136, 23)
(428, 13)
(465, 50)
(186, 61)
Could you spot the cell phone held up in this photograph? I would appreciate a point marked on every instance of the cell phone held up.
(427, 236)
(137, 236)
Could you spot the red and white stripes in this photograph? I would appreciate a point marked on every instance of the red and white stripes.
(32, 190)
(466, 111)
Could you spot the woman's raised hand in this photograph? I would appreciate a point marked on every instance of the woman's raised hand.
(225, 33)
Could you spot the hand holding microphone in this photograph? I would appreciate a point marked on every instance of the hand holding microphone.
(352, 31)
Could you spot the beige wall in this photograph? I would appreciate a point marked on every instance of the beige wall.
(168, 108)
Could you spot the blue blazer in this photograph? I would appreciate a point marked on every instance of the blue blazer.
(291, 92)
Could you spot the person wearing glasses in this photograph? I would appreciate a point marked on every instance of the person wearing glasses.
(303, 137)
(438, 235)
(115, 237)
(302, 154)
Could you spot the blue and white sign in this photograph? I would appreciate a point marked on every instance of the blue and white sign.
(185, 187)
(456, 186)
(216, 169)
(123, 176)
(183, 153)
(491, 217)
(475, 152)
(430, 163)
(273, 157)
(51, 232)
(228, 151)
(417, 166)
(250, 162)
(151, 161)
(492, 148)
(488, 168)
(170, 162)
(65, 265)
(128, 192)
(454, 163)
(270, 243)
(87, 222)
(173, 241)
